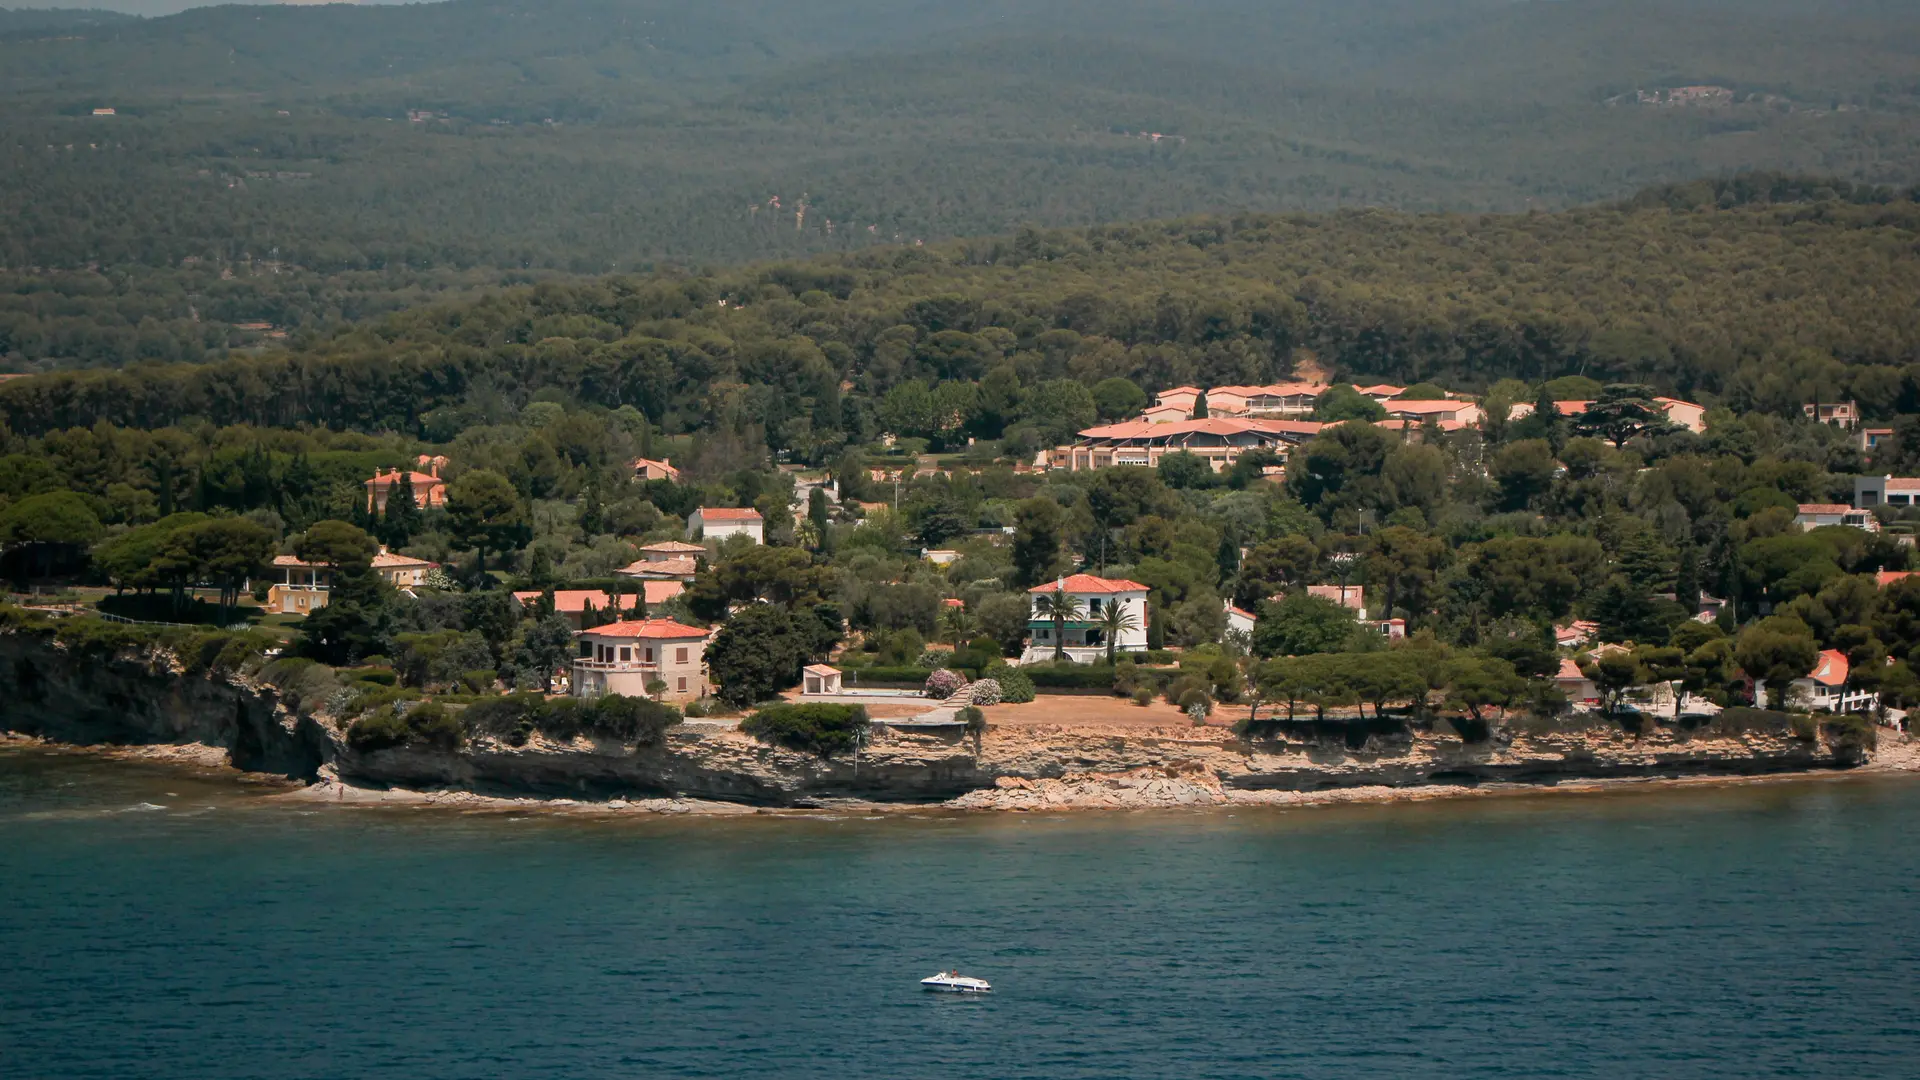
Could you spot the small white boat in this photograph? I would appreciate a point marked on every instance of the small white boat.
(953, 982)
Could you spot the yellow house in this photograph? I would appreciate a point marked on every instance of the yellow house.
(303, 587)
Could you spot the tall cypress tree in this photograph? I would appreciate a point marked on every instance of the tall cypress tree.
(402, 519)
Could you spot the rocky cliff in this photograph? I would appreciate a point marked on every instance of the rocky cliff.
(50, 692)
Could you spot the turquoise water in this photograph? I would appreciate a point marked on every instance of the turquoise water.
(1756, 931)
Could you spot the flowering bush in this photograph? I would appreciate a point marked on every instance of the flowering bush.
(987, 692)
(944, 683)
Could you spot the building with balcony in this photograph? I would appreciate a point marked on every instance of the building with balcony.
(301, 588)
(1084, 638)
(1840, 414)
(627, 658)
(1217, 441)
(1277, 399)
(1817, 515)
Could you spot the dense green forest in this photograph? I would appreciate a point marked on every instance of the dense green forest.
(589, 136)
(1758, 294)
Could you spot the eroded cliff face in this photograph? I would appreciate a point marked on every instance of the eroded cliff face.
(49, 692)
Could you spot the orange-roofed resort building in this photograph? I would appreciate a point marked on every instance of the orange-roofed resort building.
(1084, 638)
(627, 657)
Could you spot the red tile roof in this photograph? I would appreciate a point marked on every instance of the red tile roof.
(1087, 583)
(647, 628)
(676, 547)
(1825, 508)
(665, 567)
(1832, 668)
(728, 513)
(1887, 577)
(418, 479)
(574, 601)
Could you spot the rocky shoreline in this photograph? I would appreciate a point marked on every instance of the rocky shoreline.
(147, 707)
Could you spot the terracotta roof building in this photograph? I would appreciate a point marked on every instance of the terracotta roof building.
(429, 491)
(646, 658)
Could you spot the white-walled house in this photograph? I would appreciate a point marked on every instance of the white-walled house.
(1240, 619)
(1824, 688)
(1816, 515)
(720, 522)
(623, 657)
(1084, 639)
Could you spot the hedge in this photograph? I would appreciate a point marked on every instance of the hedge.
(868, 676)
(1070, 676)
(814, 726)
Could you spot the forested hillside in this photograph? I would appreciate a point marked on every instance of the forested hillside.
(1706, 291)
(597, 135)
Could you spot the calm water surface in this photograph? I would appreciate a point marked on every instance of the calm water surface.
(154, 924)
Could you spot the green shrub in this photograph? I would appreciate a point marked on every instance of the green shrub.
(377, 731)
(1071, 676)
(816, 726)
(1180, 686)
(433, 724)
(478, 681)
(510, 718)
(368, 698)
(1015, 687)
(1741, 720)
(428, 723)
(1143, 695)
(513, 718)
(376, 676)
(305, 685)
(1154, 656)
(1852, 731)
(641, 721)
(702, 707)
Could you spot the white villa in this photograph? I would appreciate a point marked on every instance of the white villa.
(1825, 687)
(625, 657)
(1085, 641)
(718, 523)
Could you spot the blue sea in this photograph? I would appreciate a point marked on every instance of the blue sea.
(156, 923)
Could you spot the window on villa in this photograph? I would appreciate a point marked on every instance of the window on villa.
(683, 683)
(626, 653)
(680, 657)
(649, 654)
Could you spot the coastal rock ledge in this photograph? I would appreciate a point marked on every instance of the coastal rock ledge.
(50, 693)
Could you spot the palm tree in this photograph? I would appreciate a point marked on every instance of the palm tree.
(960, 625)
(1113, 621)
(1062, 609)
